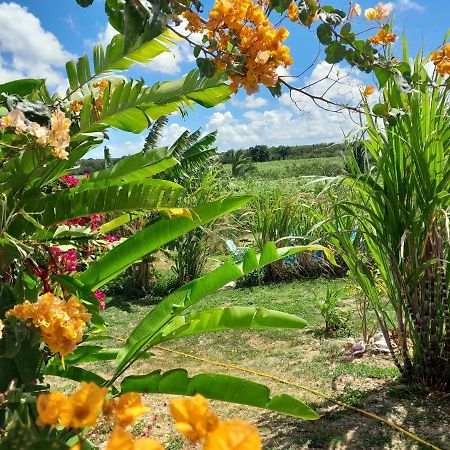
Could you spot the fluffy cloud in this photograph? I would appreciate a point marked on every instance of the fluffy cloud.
(26, 49)
(171, 133)
(405, 5)
(296, 119)
(251, 102)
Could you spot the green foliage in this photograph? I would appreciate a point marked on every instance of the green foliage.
(275, 216)
(154, 133)
(241, 164)
(259, 153)
(281, 152)
(401, 206)
(166, 316)
(218, 387)
(333, 316)
(115, 57)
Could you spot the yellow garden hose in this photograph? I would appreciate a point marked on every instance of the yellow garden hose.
(304, 388)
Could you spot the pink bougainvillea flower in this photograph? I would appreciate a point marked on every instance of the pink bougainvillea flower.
(69, 180)
(110, 238)
(100, 296)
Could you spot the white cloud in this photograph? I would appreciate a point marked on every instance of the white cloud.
(295, 120)
(170, 134)
(27, 49)
(405, 5)
(250, 102)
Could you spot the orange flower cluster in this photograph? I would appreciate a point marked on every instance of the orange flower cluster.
(441, 60)
(383, 37)
(83, 407)
(61, 323)
(194, 21)
(197, 423)
(245, 44)
(57, 136)
(192, 416)
(79, 410)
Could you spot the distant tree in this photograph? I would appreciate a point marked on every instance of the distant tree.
(283, 152)
(225, 157)
(259, 153)
(107, 157)
(241, 164)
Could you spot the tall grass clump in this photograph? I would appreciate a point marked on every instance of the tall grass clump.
(401, 205)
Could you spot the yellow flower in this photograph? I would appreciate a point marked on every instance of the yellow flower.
(83, 406)
(292, 11)
(368, 90)
(49, 407)
(380, 12)
(193, 419)
(383, 37)
(370, 14)
(121, 440)
(126, 409)
(233, 434)
(61, 323)
(2, 325)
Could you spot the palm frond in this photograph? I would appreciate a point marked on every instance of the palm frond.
(115, 57)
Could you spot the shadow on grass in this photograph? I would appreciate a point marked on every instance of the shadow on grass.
(340, 428)
(126, 303)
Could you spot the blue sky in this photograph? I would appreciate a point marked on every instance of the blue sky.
(37, 37)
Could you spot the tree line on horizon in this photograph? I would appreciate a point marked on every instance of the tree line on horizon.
(257, 153)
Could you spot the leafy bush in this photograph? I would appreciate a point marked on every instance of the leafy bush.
(330, 309)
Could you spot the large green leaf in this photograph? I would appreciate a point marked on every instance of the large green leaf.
(132, 105)
(134, 167)
(74, 373)
(116, 58)
(218, 387)
(151, 238)
(147, 332)
(22, 87)
(72, 203)
(229, 318)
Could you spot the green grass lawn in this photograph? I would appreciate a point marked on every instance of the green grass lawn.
(307, 357)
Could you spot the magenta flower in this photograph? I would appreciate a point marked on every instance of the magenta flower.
(100, 296)
(69, 261)
(69, 181)
(110, 238)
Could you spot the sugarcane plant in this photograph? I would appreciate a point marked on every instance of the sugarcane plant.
(400, 209)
